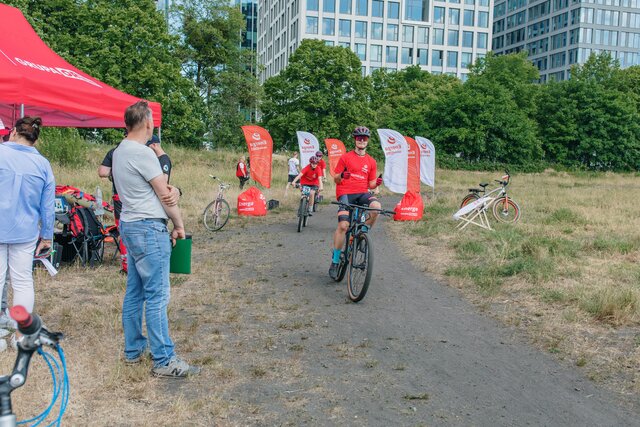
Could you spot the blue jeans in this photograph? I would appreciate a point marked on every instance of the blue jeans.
(149, 249)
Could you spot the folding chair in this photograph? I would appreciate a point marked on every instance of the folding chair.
(88, 237)
(474, 213)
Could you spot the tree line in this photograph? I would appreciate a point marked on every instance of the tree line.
(194, 66)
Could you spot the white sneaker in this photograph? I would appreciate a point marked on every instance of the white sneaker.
(3, 345)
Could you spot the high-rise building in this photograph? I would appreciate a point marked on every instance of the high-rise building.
(441, 37)
(559, 33)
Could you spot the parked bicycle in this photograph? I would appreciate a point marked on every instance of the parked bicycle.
(216, 214)
(504, 208)
(303, 207)
(35, 337)
(356, 259)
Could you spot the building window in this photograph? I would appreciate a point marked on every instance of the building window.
(394, 10)
(361, 29)
(329, 6)
(361, 51)
(469, 2)
(467, 39)
(438, 36)
(468, 18)
(345, 45)
(484, 3)
(452, 59)
(407, 33)
(345, 28)
(328, 26)
(452, 37)
(392, 32)
(437, 58)
(464, 77)
(438, 15)
(454, 16)
(375, 53)
(312, 25)
(423, 35)
(376, 30)
(345, 6)
(483, 19)
(465, 59)
(407, 55)
(377, 8)
(416, 10)
(392, 54)
(312, 5)
(482, 41)
(329, 43)
(423, 56)
(361, 7)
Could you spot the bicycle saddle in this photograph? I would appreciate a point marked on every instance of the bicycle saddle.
(483, 184)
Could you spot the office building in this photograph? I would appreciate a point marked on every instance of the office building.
(559, 33)
(441, 37)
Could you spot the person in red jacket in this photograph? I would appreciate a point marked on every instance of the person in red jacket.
(321, 165)
(309, 176)
(241, 171)
(355, 174)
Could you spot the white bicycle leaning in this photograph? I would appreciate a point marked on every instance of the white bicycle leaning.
(504, 208)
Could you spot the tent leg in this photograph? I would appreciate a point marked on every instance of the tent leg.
(160, 134)
(21, 111)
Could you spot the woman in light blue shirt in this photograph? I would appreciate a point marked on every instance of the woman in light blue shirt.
(27, 190)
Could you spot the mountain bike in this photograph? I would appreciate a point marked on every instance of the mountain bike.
(504, 208)
(303, 208)
(35, 336)
(356, 258)
(216, 214)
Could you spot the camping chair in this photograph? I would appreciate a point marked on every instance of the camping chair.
(88, 236)
(474, 213)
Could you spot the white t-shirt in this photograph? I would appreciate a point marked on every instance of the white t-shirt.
(134, 165)
(293, 166)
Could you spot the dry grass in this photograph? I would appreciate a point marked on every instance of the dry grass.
(567, 273)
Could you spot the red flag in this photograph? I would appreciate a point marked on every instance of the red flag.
(336, 149)
(260, 147)
(413, 169)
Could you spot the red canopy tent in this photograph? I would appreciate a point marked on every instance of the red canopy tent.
(35, 81)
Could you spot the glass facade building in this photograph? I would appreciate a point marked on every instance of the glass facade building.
(559, 33)
(439, 36)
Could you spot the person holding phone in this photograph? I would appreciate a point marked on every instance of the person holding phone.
(355, 174)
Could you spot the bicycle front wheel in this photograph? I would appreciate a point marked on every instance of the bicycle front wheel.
(361, 267)
(471, 197)
(216, 215)
(302, 210)
(506, 210)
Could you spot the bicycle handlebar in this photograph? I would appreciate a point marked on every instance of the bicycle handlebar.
(349, 206)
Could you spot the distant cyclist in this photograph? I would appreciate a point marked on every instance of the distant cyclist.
(321, 165)
(294, 169)
(310, 177)
(355, 174)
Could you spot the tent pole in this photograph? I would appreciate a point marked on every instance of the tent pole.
(160, 133)
(21, 111)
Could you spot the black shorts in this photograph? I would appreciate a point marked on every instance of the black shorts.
(312, 187)
(291, 178)
(362, 199)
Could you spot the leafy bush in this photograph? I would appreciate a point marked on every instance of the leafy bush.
(63, 146)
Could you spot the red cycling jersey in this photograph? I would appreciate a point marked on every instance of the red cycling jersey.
(322, 166)
(310, 176)
(362, 169)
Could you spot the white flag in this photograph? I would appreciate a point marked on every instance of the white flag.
(396, 153)
(308, 144)
(427, 161)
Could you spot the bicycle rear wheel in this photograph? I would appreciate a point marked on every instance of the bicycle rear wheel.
(216, 215)
(306, 212)
(302, 210)
(471, 197)
(361, 267)
(506, 210)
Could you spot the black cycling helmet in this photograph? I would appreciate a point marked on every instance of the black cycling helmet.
(319, 154)
(361, 131)
(313, 159)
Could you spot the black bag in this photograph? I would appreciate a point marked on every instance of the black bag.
(272, 204)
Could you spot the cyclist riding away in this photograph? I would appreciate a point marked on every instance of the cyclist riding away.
(309, 176)
(355, 174)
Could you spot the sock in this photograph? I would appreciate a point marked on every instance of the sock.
(336, 256)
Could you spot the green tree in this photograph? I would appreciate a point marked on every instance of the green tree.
(322, 91)
(126, 45)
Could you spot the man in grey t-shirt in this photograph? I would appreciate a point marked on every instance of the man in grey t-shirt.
(143, 225)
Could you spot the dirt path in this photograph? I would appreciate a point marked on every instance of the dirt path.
(412, 353)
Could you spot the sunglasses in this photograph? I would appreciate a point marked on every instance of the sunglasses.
(362, 138)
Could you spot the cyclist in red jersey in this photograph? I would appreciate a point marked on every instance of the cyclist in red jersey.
(321, 165)
(355, 174)
(309, 176)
